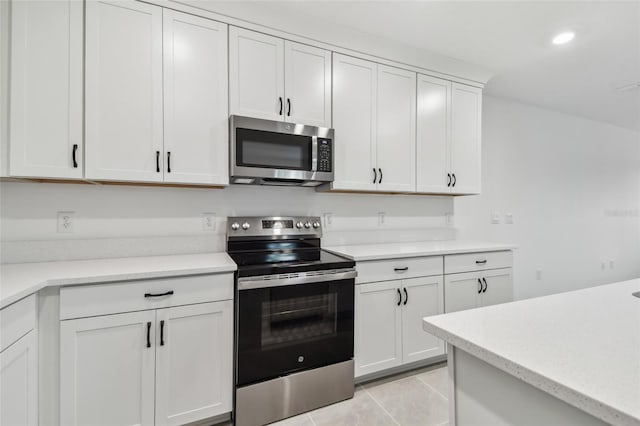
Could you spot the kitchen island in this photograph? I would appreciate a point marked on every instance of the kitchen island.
(567, 359)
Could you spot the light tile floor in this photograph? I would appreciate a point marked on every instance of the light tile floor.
(413, 398)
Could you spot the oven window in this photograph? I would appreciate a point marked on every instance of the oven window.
(299, 319)
(256, 148)
(290, 328)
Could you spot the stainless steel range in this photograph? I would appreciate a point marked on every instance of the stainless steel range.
(294, 319)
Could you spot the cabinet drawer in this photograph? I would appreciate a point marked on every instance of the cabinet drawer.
(111, 298)
(16, 320)
(455, 263)
(398, 269)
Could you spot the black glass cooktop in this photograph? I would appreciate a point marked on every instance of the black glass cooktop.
(268, 257)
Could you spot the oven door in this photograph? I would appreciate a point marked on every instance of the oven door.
(289, 328)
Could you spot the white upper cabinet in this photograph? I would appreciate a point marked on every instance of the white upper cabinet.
(280, 80)
(396, 129)
(123, 109)
(307, 84)
(466, 134)
(46, 89)
(256, 74)
(196, 126)
(433, 135)
(354, 120)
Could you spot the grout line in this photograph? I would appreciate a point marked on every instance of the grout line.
(431, 387)
(380, 405)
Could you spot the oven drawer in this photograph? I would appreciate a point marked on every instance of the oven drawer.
(477, 261)
(398, 269)
(127, 296)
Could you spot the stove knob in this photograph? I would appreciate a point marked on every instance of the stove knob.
(307, 225)
(299, 225)
(246, 226)
(235, 226)
(316, 225)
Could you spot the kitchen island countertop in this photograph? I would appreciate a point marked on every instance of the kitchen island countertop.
(582, 347)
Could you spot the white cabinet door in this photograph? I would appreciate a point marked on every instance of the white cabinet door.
(307, 84)
(499, 286)
(256, 74)
(195, 100)
(461, 291)
(107, 368)
(378, 329)
(19, 382)
(433, 136)
(466, 134)
(396, 129)
(423, 297)
(46, 89)
(354, 121)
(123, 110)
(193, 362)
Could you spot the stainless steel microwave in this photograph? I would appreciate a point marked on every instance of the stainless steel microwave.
(265, 152)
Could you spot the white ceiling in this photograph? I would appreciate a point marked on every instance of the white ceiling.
(513, 39)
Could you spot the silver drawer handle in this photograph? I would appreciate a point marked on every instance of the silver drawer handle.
(481, 262)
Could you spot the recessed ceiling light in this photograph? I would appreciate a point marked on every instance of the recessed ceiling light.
(563, 38)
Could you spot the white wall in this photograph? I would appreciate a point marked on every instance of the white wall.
(112, 221)
(573, 186)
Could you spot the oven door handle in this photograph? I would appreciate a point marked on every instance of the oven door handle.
(252, 283)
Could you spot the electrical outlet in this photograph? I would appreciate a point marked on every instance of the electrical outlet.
(448, 218)
(65, 222)
(538, 274)
(508, 218)
(209, 221)
(612, 264)
(328, 220)
(495, 217)
(603, 265)
(381, 218)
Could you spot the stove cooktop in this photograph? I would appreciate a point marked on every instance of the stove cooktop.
(253, 263)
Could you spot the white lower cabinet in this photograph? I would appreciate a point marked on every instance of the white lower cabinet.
(378, 343)
(193, 362)
(388, 329)
(480, 288)
(107, 369)
(19, 382)
(171, 365)
(423, 298)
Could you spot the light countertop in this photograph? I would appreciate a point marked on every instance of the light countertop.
(582, 347)
(365, 252)
(19, 280)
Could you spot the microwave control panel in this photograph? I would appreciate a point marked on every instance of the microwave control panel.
(324, 155)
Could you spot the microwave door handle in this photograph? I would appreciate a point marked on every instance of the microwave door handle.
(314, 153)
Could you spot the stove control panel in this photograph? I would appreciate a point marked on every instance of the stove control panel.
(256, 226)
